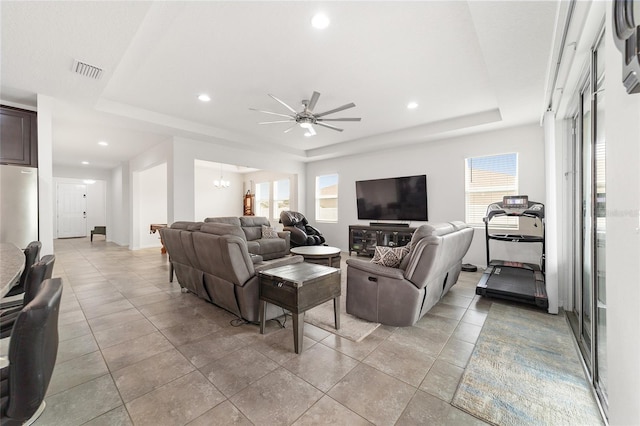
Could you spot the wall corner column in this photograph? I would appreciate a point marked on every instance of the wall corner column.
(551, 211)
(46, 189)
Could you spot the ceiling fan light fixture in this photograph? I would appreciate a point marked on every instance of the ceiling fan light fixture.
(305, 125)
(320, 21)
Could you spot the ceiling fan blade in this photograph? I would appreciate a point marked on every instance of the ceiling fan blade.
(312, 102)
(273, 113)
(329, 126)
(343, 107)
(339, 119)
(279, 121)
(283, 104)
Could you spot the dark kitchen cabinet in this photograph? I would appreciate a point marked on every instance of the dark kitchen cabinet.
(18, 137)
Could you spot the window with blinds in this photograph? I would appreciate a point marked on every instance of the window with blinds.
(487, 180)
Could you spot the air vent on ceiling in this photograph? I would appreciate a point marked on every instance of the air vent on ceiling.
(86, 70)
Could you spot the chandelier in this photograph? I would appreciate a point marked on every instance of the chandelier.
(221, 183)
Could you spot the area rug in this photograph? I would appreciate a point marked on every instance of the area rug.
(352, 328)
(525, 370)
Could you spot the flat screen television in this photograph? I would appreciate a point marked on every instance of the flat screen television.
(400, 198)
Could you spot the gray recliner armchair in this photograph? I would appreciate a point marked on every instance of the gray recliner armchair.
(302, 234)
(401, 296)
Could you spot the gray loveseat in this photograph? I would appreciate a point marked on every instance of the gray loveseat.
(213, 261)
(401, 296)
(268, 248)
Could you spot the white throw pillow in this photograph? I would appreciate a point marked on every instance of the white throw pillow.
(269, 232)
(389, 256)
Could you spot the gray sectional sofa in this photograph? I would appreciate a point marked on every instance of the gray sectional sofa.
(251, 226)
(400, 296)
(213, 261)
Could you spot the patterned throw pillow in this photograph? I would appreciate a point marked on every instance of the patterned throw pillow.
(269, 232)
(389, 256)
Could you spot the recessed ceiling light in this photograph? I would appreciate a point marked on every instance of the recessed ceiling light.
(103, 143)
(89, 181)
(412, 105)
(320, 21)
(204, 97)
(85, 163)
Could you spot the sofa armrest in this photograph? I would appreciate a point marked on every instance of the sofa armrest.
(375, 269)
(286, 235)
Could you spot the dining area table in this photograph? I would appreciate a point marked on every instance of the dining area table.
(12, 262)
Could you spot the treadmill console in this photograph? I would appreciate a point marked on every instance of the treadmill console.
(515, 201)
(515, 205)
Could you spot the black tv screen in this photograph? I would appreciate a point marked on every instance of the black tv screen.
(401, 198)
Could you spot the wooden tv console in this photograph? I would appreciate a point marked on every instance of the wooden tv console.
(363, 239)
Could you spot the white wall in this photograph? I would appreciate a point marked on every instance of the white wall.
(181, 176)
(150, 205)
(443, 163)
(118, 201)
(180, 155)
(211, 201)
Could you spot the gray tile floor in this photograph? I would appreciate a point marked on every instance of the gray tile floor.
(136, 350)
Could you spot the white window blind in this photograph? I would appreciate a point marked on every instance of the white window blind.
(487, 180)
(327, 198)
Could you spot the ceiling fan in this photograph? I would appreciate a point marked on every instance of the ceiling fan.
(307, 118)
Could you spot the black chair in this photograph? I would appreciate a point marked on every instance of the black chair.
(32, 255)
(99, 230)
(39, 272)
(32, 356)
(302, 234)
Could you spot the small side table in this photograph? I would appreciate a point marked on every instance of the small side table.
(298, 288)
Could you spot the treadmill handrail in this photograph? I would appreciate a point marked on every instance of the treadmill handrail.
(517, 238)
(499, 213)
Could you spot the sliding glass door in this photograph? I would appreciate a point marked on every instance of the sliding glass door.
(589, 314)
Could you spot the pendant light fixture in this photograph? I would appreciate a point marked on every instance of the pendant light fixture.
(221, 183)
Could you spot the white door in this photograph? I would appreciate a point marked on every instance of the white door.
(72, 210)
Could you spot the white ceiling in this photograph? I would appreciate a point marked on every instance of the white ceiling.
(471, 66)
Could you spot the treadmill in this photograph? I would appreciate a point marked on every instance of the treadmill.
(517, 281)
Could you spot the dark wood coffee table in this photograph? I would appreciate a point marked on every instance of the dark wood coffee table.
(298, 288)
(322, 255)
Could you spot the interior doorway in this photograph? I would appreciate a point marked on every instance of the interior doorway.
(71, 210)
